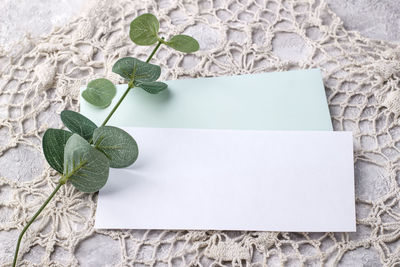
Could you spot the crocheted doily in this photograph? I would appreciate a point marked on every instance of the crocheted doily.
(40, 77)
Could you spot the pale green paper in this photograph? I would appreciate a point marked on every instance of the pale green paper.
(293, 100)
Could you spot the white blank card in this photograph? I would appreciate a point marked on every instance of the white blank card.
(203, 179)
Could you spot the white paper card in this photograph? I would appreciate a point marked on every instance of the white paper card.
(301, 181)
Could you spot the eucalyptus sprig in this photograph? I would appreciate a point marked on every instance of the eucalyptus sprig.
(84, 154)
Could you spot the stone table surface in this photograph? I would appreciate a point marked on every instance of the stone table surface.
(379, 19)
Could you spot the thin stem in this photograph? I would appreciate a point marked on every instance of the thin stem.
(155, 50)
(32, 220)
(118, 103)
(130, 85)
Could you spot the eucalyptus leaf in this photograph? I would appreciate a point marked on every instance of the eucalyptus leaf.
(78, 123)
(183, 43)
(152, 87)
(144, 29)
(119, 147)
(133, 68)
(99, 92)
(53, 144)
(84, 166)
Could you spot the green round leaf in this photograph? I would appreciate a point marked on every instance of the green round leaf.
(99, 92)
(53, 144)
(144, 29)
(119, 147)
(78, 123)
(183, 43)
(133, 68)
(84, 166)
(152, 87)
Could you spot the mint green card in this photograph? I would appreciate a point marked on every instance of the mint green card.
(293, 100)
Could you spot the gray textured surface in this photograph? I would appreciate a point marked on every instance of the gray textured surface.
(34, 17)
(373, 18)
(379, 19)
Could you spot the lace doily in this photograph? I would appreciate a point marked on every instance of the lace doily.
(41, 77)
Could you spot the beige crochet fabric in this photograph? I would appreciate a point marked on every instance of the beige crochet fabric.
(39, 78)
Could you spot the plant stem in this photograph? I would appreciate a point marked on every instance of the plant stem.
(130, 86)
(117, 105)
(155, 50)
(32, 220)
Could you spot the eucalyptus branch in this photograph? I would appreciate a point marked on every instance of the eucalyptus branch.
(65, 178)
(89, 151)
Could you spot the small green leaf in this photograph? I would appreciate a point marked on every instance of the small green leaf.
(183, 43)
(152, 87)
(133, 68)
(99, 92)
(119, 147)
(144, 29)
(84, 166)
(78, 123)
(53, 144)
